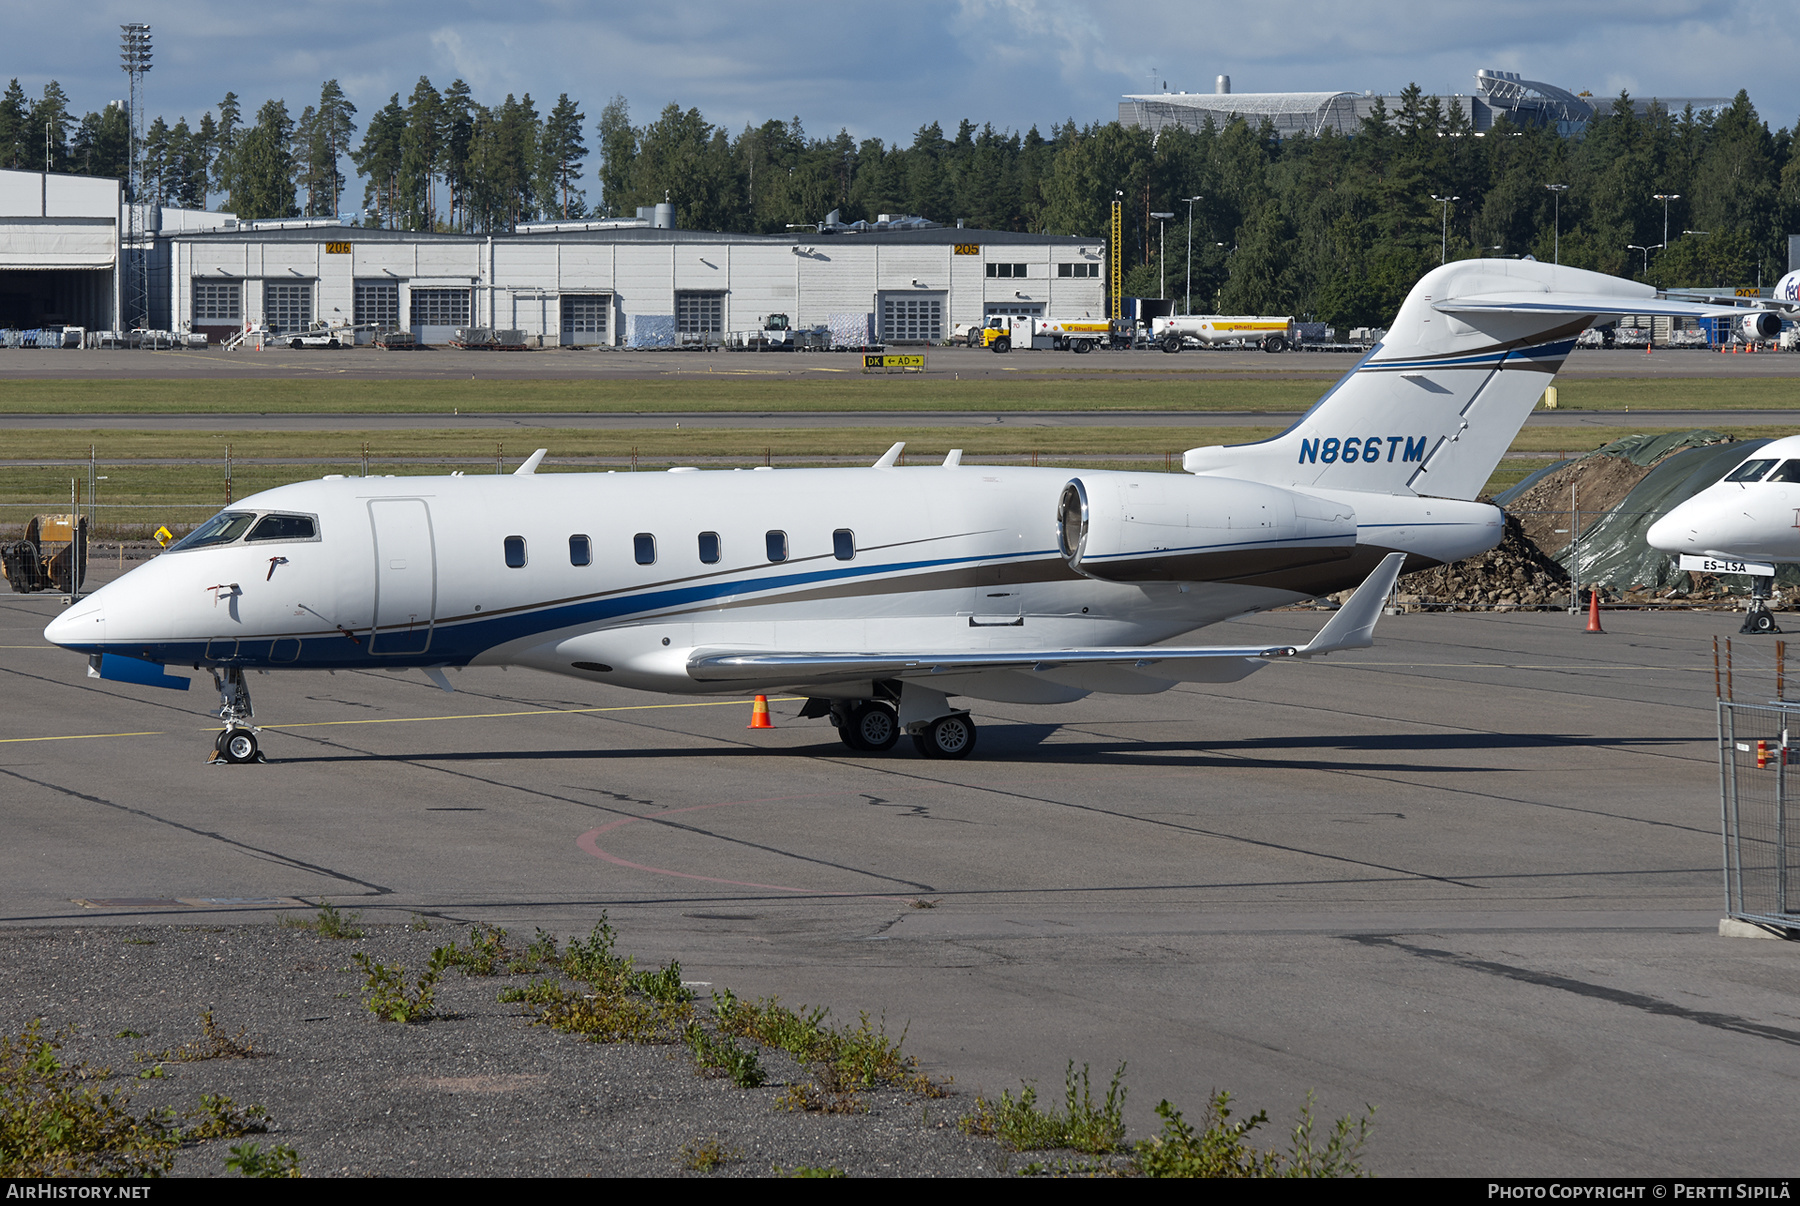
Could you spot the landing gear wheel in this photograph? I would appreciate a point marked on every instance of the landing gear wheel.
(871, 727)
(950, 736)
(237, 746)
(1171, 343)
(1760, 621)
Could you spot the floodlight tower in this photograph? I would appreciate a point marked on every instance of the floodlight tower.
(134, 53)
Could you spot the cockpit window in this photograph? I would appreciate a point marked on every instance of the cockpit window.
(1749, 471)
(1789, 472)
(285, 527)
(222, 528)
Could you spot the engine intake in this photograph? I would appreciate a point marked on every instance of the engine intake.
(1160, 528)
(1760, 324)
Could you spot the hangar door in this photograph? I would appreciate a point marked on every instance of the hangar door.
(586, 319)
(916, 316)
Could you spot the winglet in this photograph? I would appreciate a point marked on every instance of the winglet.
(954, 459)
(1353, 625)
(889, 457)
(531, 463)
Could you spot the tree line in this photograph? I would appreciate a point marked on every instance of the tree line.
(1331, 227)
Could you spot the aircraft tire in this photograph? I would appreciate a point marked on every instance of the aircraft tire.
(871, 727)
(237, 746)
(949, 737)
(1171, 343)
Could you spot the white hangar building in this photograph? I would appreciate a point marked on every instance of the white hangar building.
(625, 283)
(60, 250)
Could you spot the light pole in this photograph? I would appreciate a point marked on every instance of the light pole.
(1665, 198)
(1646, 251)
(1190, 256)
(1557, 190)
(1444, 254)
(1162, 264)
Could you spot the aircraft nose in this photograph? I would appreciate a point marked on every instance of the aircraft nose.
(83, 624)
(1670, 533)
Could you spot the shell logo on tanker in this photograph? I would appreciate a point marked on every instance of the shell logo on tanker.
(1362, 448)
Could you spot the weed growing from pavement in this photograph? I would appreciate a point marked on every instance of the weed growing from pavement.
(213, 1043)
(1083, 1126)
(385, 994)
(329, 923)
(1217, 1147)
(723, 1057)
(1221, 1148)
(704, 1155)
(614, 1003)
(808, 1171)
(220, 1118)
(249, 1160)
(843, 1060)
(53, 1124)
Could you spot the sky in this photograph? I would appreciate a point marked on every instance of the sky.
(884, 71)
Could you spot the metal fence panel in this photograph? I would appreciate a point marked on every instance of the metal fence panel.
(1758, 744)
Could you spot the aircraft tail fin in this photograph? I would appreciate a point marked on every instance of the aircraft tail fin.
(1434, 406)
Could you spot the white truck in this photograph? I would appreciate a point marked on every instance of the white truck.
(1272, 334)
(1004, 332)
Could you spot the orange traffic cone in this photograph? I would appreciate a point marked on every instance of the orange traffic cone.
(759, 714)
(1649, 347)
(1594, 612)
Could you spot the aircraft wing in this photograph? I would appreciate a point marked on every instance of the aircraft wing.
(1570, 303)
(1352, 626)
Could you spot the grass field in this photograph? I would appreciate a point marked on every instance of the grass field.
(1180, 391)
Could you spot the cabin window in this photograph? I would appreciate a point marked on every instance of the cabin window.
(1749, 471)
(1789, 472)
(515, 552)
(843, 544)
(581, 551)
(284, 527)
(643, 545)
(777, 545)
(222, 528)
(709, 548)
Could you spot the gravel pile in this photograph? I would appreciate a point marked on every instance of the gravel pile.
(1514, 573)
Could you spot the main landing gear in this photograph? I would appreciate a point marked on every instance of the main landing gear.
(872, 726)
(236, 744)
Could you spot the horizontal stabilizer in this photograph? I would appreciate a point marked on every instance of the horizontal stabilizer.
(1351, 627)
(1571, 303)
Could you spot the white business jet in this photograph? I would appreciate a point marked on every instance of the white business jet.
(879, 594)
(1744, 524)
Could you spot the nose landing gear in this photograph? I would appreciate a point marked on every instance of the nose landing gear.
(237, 743)
(1759, 619)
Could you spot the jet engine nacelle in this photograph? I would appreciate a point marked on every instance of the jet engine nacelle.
(1760, 324)
(1162, 528)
